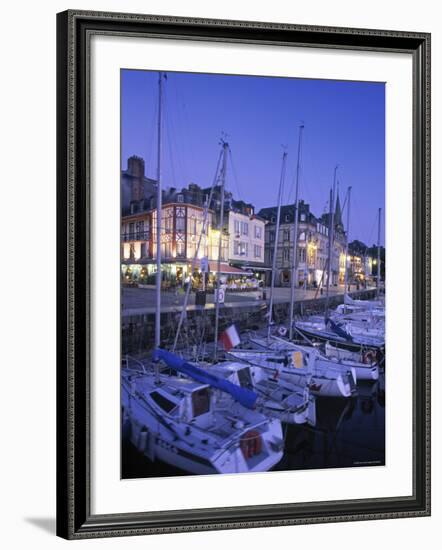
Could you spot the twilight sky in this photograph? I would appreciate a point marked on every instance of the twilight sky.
(344, 125)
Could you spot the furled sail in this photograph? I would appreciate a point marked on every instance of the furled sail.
(246, 397)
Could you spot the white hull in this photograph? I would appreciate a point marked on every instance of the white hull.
(321, 380)
(363, 371)
(277, 398)
(185, 447)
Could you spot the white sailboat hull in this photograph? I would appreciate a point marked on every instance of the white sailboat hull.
(363, 371)
(161, 440)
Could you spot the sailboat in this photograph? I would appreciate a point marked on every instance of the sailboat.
(199, 423)
(196, 427)
(275, 356)
(289, 403)
(299, 365)
(352, 335)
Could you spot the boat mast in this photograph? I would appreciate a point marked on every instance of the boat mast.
(221, 226)
(295, 235)
(379, 254)
(275, 248)
(159, 215)
(330, 240)
(203, 234)
(347, 241)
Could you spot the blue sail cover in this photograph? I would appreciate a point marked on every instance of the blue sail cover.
(244, 396)
(338, 330)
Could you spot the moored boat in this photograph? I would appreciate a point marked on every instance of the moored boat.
(197, 427)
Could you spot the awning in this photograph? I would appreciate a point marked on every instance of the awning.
(225, 268)
(256, 268)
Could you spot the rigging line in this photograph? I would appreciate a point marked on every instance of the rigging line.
(172, 164)
(152, 145)
(173, 146)
(302, 185)
(371, 234)
(177, 137)
(203, 232)
(235, 178)
(345, 202)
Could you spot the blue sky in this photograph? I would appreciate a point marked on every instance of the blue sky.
(344, 124)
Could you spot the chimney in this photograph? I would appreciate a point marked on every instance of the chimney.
(135, 169)
(135, 166)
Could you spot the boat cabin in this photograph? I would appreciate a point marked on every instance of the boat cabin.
(187, 399)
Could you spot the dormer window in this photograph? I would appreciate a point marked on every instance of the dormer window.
(180, 198)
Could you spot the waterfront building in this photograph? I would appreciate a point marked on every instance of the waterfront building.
(181, 229)
(363, 263)
(312, 245)
(182, 220)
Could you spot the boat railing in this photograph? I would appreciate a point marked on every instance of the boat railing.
(127, 361)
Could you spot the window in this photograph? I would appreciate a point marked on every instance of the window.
(258, 251)
(302, 236)
(236, 248)
(245, 378)
(286, 234)
(273, 219)
(180, 198)
(140, 230)
(236, 225)
(302, 217)
(180, 225)
(163, 402)
(286, 254)
(166, 249)
(243, 248)
(271, 236)
(301, 254)
(200, 401)
(287, 217)
(180, 249)
(258, 232)
(244, 228)
(131, 230)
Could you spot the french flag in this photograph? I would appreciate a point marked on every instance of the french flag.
(229, 338)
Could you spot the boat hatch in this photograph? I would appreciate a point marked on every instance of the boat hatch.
(200, 401)
(163, 402)
(245, 378)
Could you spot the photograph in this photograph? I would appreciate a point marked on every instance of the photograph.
(252, 273)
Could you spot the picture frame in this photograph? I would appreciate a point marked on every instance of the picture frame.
(75, 519)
